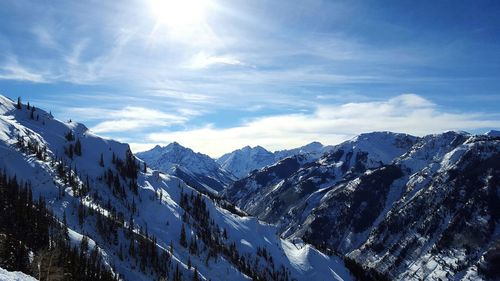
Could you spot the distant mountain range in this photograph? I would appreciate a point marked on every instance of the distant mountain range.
(247, 159)
(210, 175)
(197, 169)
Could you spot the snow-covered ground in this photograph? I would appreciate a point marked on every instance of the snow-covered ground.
(162, 217)
(14, 276)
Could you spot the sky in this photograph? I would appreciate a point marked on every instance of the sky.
(216, 75)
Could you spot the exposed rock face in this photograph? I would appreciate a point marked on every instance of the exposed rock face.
(410, 208)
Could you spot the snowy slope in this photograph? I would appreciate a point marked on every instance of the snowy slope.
(196, 168)
(14, 276)
(98, 199)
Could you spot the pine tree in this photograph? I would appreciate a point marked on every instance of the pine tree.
(69, 136)
(177, 274)
(70, 151)
(84, 244)
(116, 183)
(120, 252)
(65, 227)
(101, 161)
(131, 249)
(78, 147)
(195, 274)
(19, 105)
(182, 239)
(193, 246)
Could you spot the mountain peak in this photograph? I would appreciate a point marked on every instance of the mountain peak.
(175, 144)
(457, 132)
(194, 167)
(313, 145)
(242, 161)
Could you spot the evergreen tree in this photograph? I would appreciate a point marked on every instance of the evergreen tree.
(78, 147)
(69, 136)
(101, 161)
(120, 252)
(177, 274)
(19, 105)
(195, 274)
(33, 241)
(182, 239)
(70, 151)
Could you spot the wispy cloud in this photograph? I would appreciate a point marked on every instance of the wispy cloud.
(203, 60)
(45, 36)
(12, 70)
(329, 124)
(136, 118)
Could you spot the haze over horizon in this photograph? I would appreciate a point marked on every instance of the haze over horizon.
(217, 75)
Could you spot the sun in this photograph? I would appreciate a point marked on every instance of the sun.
(179, 14)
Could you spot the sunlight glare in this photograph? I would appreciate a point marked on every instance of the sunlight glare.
(179, 13)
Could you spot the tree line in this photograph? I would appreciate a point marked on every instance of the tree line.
(33, 241)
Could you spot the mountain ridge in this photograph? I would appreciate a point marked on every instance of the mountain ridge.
(247, 159)
(144, 224)
(196, 168)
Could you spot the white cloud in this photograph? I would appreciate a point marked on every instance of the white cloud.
(14, 71)
(329, 124)
(135, 118)
(203, 60)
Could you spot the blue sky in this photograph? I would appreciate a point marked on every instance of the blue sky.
(216, 75)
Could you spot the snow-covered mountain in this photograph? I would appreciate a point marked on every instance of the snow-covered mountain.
(242, 161)
(398, 207)
(314, 150)
(247, 159)
(273, 191)
(197, 169)
(143, 224)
